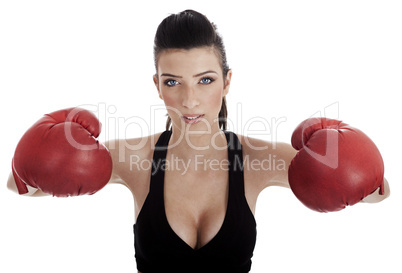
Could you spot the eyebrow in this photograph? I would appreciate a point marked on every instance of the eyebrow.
(197, 75)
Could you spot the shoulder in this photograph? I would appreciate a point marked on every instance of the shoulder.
(132, 158)
(259, 149)
(266, 163)
(122, 149)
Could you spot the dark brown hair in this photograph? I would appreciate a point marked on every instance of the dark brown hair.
(186, 30)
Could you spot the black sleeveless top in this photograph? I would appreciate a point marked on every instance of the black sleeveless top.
(159, 249)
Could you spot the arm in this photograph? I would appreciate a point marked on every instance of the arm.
(267, 163)
(283, 153)
(114, 147)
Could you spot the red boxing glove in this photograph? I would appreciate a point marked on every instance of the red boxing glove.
(60, 156)
(336, 166)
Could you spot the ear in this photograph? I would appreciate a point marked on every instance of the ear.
(156, 82)
(227, 81)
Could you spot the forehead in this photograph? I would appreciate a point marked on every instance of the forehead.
(191, 61)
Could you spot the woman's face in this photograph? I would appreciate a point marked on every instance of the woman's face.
(191, 84)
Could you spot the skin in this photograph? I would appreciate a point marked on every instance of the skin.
(196, 209)
(196, 201)
(191, 82)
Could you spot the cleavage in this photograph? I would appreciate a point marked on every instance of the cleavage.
(195, 207)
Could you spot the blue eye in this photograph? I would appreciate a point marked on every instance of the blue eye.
(206, 80)
(171, 83)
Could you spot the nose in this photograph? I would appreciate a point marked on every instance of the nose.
(190, 100)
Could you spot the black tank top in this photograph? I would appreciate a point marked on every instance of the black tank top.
(159, 249)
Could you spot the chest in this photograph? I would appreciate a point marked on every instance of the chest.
(196, 203)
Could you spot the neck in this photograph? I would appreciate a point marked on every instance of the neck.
(187, 143)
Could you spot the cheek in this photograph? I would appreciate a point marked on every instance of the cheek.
(169, 99)
(172, 104)
(215, 99)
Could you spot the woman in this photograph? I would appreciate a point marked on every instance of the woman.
(194, 208)
(196, 212)
(198, 215)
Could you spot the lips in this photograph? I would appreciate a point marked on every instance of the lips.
(193, 118)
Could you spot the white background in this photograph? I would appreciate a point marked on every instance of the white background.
(290, 59)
